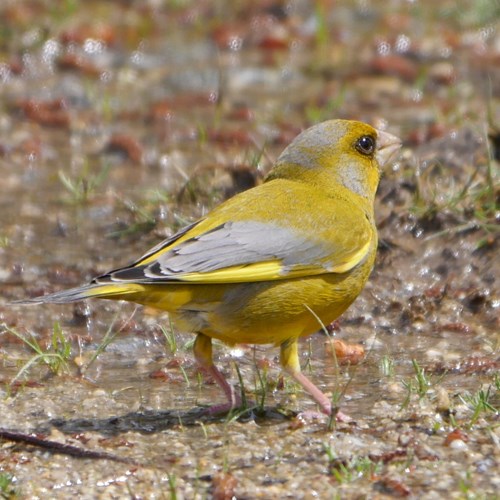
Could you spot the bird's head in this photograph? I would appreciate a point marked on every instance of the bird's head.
(338, 154)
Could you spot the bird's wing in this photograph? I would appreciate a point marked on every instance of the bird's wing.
(245, 251)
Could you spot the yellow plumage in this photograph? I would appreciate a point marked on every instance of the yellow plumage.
(264, 266)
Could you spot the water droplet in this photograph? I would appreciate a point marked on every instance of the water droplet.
(235, 43)
(403, 43)
(384, 48)
(91, 46)
(416, 95)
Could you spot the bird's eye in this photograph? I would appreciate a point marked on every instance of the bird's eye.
(365, 145)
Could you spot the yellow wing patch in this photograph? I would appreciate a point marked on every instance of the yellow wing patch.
(262, 271)
(353, 261)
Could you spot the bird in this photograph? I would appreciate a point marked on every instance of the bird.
(273, 263)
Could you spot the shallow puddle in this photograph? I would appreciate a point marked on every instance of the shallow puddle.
(122, 122)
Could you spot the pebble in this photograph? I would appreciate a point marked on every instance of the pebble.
(458, 444)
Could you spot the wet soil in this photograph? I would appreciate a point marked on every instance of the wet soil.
(123, 121)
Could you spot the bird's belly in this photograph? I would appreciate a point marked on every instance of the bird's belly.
(261, 312)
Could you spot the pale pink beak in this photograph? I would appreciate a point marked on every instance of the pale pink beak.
(387, 146)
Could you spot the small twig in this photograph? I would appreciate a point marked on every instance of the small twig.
(56, 447)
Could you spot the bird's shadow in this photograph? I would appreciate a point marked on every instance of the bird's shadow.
(150, 422)
(147, 422)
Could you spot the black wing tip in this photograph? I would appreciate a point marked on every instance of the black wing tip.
(143, 274)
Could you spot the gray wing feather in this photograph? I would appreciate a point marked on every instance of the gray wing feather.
(231, 244)
(239, 243)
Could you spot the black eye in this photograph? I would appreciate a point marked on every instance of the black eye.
(365, 145)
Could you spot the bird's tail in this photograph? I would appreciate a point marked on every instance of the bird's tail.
(93, 290)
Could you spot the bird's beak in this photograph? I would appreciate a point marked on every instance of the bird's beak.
(387, 146)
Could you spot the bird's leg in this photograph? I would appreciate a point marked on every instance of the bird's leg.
(203, 354)
(289, 359)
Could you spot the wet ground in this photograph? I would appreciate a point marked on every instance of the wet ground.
(123, 121)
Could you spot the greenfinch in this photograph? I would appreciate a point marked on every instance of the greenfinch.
(273, 263)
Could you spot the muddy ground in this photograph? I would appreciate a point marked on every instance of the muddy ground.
(121, 122)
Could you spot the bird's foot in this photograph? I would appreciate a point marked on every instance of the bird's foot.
(225, 408)
(310, 415)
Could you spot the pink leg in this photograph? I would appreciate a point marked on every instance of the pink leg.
(317, 395)
(233, 398)
(203, 354)
(320, 398)
(289, 358)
